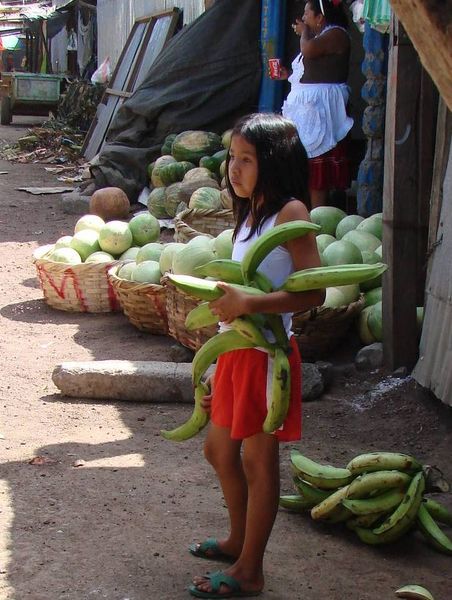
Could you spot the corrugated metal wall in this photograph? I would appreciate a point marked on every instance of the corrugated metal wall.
(433, 369)
(116, 17)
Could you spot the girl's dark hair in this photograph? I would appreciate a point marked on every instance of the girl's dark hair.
(282, 168)
(334, 14)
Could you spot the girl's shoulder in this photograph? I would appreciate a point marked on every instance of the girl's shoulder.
(293, 210)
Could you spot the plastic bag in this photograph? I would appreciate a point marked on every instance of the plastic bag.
(103, 73)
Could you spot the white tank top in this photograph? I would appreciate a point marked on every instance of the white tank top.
(277, 265)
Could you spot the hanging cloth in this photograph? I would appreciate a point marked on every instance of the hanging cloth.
(85, 42)
(378, 14)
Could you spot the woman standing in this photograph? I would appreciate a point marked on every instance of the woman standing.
(317, 102)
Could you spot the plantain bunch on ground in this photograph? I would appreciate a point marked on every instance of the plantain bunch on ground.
(252, 331)
(379, 495)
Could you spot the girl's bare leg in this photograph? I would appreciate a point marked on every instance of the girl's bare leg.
(261, 468)
(224, 455)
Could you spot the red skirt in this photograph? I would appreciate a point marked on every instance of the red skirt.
(331, 170)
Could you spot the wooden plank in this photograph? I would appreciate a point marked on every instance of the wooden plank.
(400, 212)
(442, 145)
(128, 73)
(428, 24)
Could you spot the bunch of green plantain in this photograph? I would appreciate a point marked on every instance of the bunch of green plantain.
(248, 331)
(379, 495)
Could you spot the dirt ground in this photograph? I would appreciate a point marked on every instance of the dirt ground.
(118, 526)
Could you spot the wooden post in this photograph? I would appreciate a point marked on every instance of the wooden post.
(400, 206)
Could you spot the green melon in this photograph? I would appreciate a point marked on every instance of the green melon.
(226, 138)
(145, 228)
(147, 271)
(347, 224)
(222, 244)
(343, 295)
(99, 257)
(85, 242)
(64, 242)
(364, 332)
(342, 252)
(130, 254)
(166, 257)
(193, 255)
(65, 255)
(126, 270)
(89, 222)
(373, 296)
(151, 251)
(115, 237)
(199, 173)
(213, 162)
(373, 225)
(323, 240)
(362, 240)
(193, 145)
(375, 321)
(327, 217)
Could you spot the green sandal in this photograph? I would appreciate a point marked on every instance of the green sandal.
(209, 550)
(217, 579)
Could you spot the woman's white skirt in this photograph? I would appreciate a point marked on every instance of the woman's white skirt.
(319, 113)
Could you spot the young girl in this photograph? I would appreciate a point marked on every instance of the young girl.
(267, 175)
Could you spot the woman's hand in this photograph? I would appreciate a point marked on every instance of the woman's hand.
(284, 73)
(232, 304)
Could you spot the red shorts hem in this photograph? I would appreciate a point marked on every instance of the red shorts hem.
(241, 393)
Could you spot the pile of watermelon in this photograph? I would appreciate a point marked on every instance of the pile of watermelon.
(189, 173)
(350, 239)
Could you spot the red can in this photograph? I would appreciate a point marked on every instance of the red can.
(274, 65)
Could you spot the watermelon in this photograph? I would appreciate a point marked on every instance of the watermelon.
(362, 240)
(213, 162)
(145, 228)
(364, 332)
(196, 252)
(373, 225)
(147, 271)
(151, 251)
(85, 242)
(323, 240)
(175, 171)
(65, 255)
(193, 145)
(126, 270)
(338, 296)
(327, 217)
(205, 198)
(166, 257)
(222, 244)
(375, 321)
(162, 161)
(115, 237)
(226, 138)
(167, 144)
(342, 252)
(373, 296)
(156, 203)
(346, 224)
(199, 173)
(99, 257)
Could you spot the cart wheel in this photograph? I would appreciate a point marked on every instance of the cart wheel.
(5, 115)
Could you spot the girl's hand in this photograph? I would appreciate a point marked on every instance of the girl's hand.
(232, 304)
(206, 402)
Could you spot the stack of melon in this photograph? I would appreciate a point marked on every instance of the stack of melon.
(353, 239)
(97, 241)
(189, 174)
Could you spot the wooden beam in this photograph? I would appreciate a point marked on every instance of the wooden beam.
(428, 24)
(400, 206)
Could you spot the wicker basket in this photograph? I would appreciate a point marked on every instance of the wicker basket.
(77, 288)
(178, 305)
(196, 221)
(144, 304)
(320, 330)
